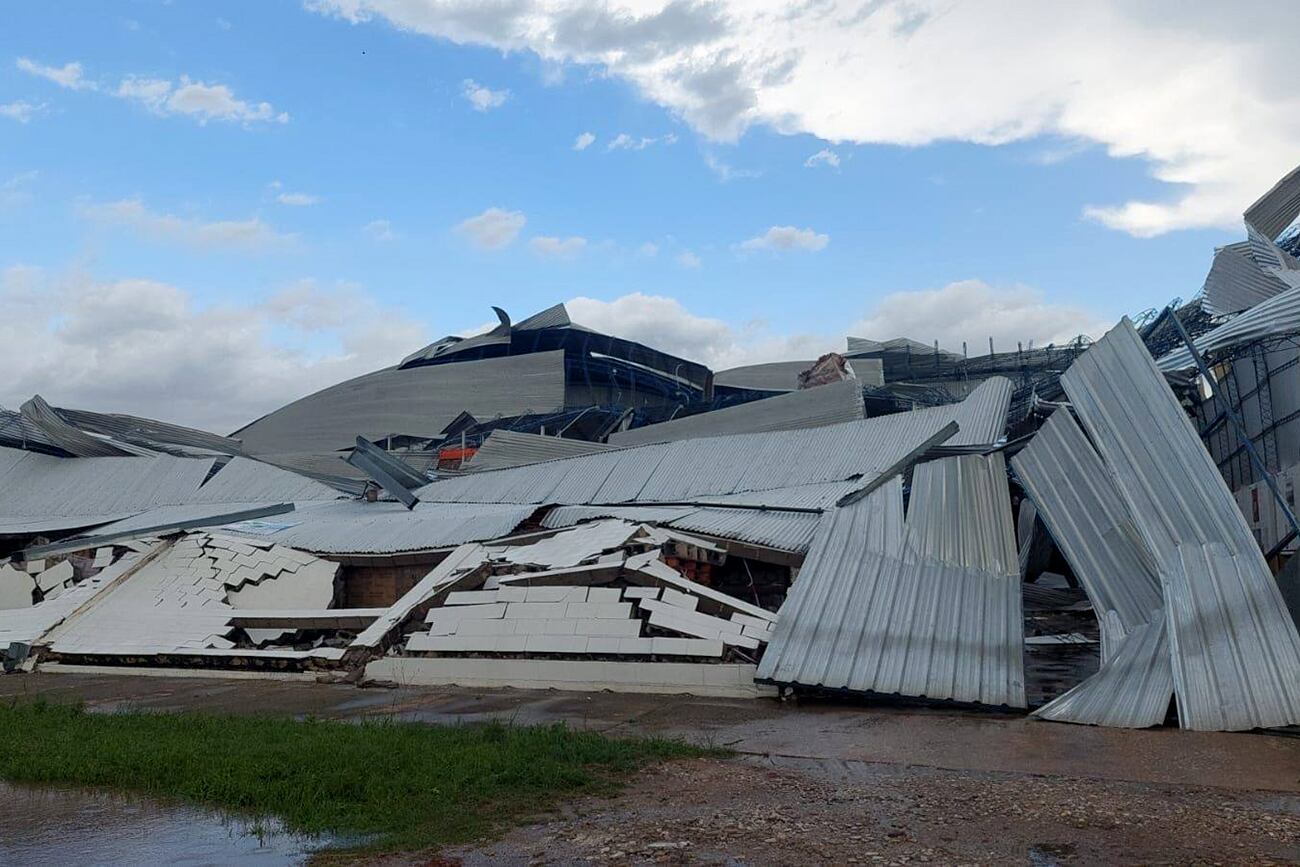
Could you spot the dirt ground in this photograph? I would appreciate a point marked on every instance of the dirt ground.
(754, 811)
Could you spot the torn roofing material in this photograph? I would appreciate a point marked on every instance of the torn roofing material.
(1235, 651)
(150, 433)
(1277, 209)
(689, 469)
(1083, 511)
(865, 615)
(69, 438)
(507, 448)
(784, 375)
(961, 514)
(809, 408)
(246, 480)
(1276, 316)
(1237, 282)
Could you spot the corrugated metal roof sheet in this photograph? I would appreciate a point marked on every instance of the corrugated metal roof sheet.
(1237, 282)
(810, 408)
(1132, 690)
(961, 514)
(784, 375)
(1278, 315)
(1276, 209)
(507, 448)
(690, 469)
(1083, 511)
(1235, 651)
(785, 531)
(573, 546)
(416, 401)
(868, 617)
(245, 480)
(357, 527)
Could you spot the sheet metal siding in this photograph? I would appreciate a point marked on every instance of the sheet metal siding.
(417, 401)
(1237, 282)
(357, 527)
(813, 407)
(71, 439)
(504, 448)
(44, 486)
(1179, 502)
(1083, 511)
(983, 414)
(960, 514)
(784, 375)
(245, 480)
(1278, 315)
(733, 464)
(1132, 690)
(1276, 209)
(785, 531)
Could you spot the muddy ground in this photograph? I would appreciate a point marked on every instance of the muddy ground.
(758, 811)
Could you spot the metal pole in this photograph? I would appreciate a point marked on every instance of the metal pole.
(1231, 412)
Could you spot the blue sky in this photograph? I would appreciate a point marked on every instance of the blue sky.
(369, 129)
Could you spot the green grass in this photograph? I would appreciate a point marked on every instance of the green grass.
(401, 785)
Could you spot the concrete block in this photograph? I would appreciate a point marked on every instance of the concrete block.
(679, 599)
(748, 620)
(467, 612)
(472, 597)
(556, 644)
(628, 627)
(545, 610)
(485, 627)
(604, 610)
(636, 646)
(604, 594)
(555, 594)
(512, 643)
(511, 593)
(599, 644)
(640, 592)
(687, 647)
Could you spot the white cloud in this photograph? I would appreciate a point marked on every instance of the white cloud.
(298, 200)
(494, 229)
(149, 348)
(625, 142)
(557, 248)
(69, 75)
(379, 230)
(584, 141)
(649, 250)
(16, 192)
(252, 234)
(1191, 88)
(825, 156)
(973, 311)
(687, 259)
(20, 110)
(196, 100)
(483, 98)
(787, 238)
(725, 171)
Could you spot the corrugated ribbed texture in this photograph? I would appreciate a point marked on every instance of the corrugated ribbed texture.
(1132, 690)
(1276, 209)
(356, 527)
(1236, 654)
(690, 469)
(149, 432)
(244, 480)
(784, 375)
(72, 440)
(417, 401)
(1237, 282)
(1278, 315)
(810, 408)
(505, 448)
(1090, 523)
(961, 514)
(785, 531)
(983, 414)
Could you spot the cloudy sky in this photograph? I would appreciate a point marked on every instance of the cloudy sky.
(206, 211)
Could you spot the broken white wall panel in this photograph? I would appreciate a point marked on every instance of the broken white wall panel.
(16, 587)
(716, 680)
(1132, 689)
(1083, 511)
(571, 547)
(464, 564)
(648, 569)
(960, 513)
(1235, 651)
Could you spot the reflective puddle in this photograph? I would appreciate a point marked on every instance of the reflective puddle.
(53, 825)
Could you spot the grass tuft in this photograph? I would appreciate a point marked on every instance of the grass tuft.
(401, 785)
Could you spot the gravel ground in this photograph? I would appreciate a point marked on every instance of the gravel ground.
(768, 811)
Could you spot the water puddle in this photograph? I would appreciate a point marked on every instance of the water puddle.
(55, 825)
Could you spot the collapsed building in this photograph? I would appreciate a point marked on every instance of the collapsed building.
(1094, 533)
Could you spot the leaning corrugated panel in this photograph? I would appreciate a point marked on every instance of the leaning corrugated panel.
(961, 514)
(1235, 651)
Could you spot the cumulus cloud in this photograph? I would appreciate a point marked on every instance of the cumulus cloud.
(557, 248)
(20, 110)
(625, 142)
(480, 96)
(149, 348)
(725, 171)
(1190, 88)
(252, 234)
(973, 311)
(379, 230)
(584, 141)
(823, 157)
(787, 238)
(196, 100)
(687, 259)
(69, 75)
(494, 229)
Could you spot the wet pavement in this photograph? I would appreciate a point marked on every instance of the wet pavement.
(58, 825)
